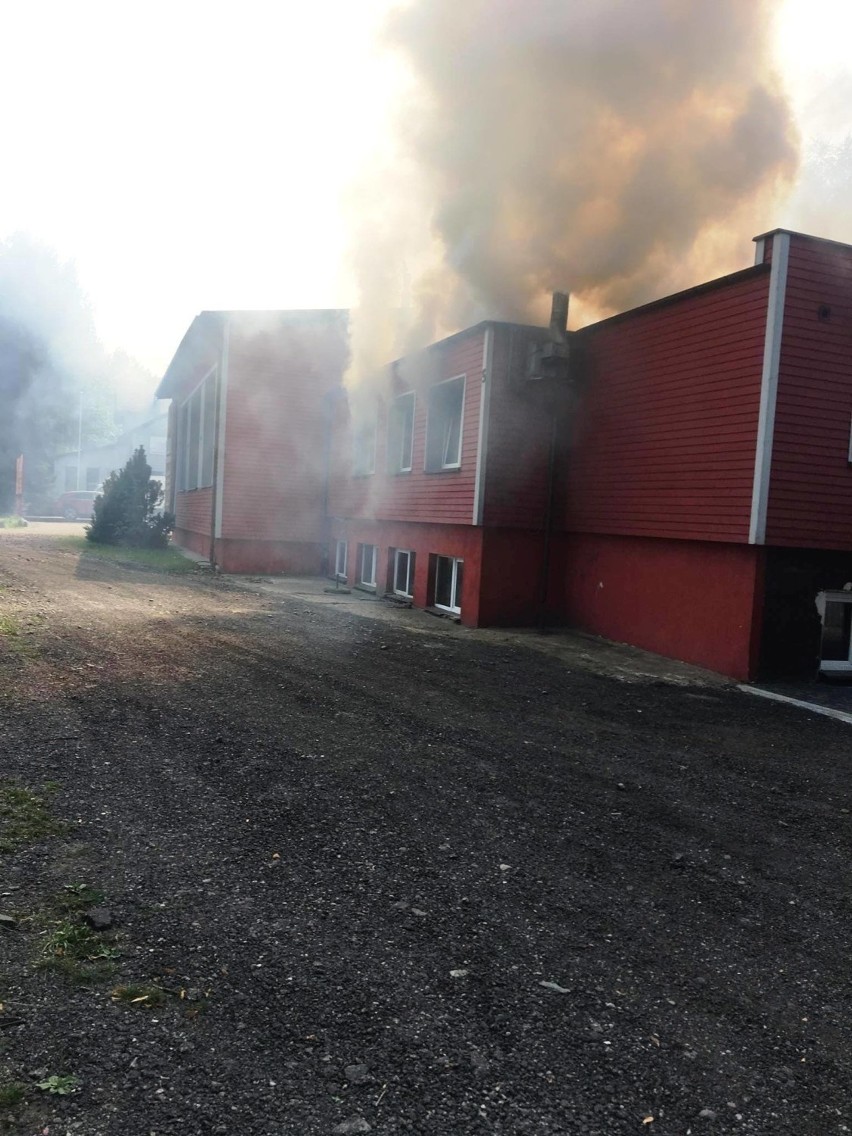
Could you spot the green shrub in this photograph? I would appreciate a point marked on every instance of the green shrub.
(127, 513)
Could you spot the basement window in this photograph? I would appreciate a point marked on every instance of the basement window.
(340, 559)
(836, 652)
(444, 425)
(448, 583)
(401, 434)
(367, 565)
(403, 572)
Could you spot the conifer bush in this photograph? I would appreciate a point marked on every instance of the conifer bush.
(127, 512)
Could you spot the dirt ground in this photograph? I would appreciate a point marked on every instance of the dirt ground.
(353, 869)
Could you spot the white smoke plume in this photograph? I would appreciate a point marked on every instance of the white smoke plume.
(613, 148)
(58, 385)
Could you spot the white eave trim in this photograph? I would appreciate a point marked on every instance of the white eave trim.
(484, 417)
(220, 441)
(769, 386)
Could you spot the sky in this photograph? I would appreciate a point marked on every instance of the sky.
(187, 156)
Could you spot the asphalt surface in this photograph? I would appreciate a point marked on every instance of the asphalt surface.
(396, 876)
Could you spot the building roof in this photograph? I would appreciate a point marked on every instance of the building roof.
(203, 337)
(804, 236)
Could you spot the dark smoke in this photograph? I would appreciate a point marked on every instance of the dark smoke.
(613, 148)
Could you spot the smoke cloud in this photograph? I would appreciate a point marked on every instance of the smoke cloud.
(55, 376)
(611, 148)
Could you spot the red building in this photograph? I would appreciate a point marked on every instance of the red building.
(677, 477)
(247, 460)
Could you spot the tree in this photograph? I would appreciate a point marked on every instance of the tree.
(127, 512)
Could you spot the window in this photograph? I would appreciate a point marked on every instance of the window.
(157, 444)
(93, 475)
(181, 448)
(448, 583)
(70, 478)
(194, 439)
(208, 429)
(836, 611)
(196, 443)
(340, 559)
(402, 582)
(364, 447)
(401, 434)
(444, 429)
(367, 564)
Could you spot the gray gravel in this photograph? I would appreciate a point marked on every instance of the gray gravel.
(395, 879)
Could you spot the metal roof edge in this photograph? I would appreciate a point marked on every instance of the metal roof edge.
(804, 236)
(676, 297)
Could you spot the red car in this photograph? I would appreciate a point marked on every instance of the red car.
(76, 505)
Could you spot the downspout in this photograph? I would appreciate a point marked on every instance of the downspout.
(558, 335)
(219, 441)
(331, 398)
(548, 526)
(484, 422)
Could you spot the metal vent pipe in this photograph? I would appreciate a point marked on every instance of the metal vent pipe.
(559, 316)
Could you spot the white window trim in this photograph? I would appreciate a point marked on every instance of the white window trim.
(395, 460)
(455, 560)
(834, 666)
(430, 426)
(769, 387)
(409, 575)
(338, 574)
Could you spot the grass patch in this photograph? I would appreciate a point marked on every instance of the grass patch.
(77, 897)
(59, 1084)
(136, 994)
(19, 638)
(79, 953)
(12, 522)
(9, 625)
(158, 559)
(24, 817)
(12, 1094)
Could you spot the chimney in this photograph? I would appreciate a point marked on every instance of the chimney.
(559, 316)
(548, 357)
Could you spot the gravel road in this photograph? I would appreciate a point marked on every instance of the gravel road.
(356, 874)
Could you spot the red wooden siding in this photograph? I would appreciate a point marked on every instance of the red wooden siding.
(699, 602)
(519, 429)
(512, 563)
(194, 511)
(423, 540)
(666, 424)
(436, 498)
(810, 489)
(281, 376)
